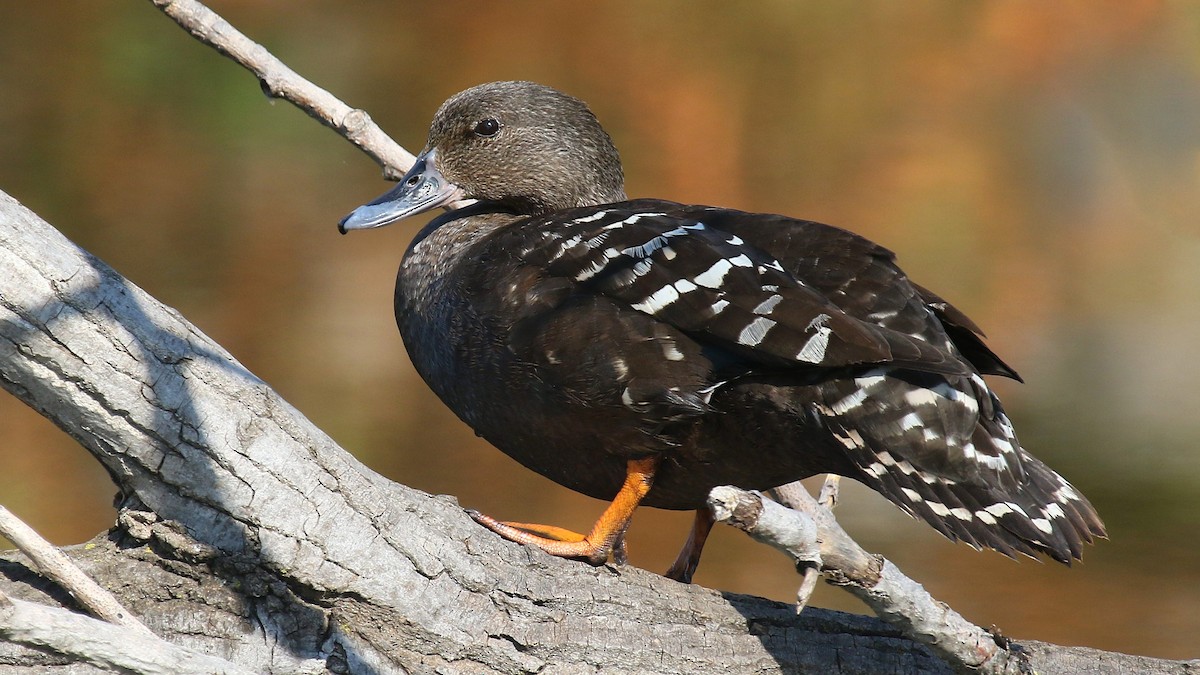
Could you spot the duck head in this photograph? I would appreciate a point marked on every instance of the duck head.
(522, 145)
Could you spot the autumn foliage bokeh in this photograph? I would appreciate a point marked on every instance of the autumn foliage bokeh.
(1037, 164)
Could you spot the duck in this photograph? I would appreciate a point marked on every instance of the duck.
(643, 351)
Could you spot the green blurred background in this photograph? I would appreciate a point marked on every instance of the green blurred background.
(1038, 164)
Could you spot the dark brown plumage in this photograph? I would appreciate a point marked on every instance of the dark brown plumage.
(646, 351)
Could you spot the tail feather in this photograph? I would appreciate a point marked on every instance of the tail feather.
(944, 452)
(1044, 515)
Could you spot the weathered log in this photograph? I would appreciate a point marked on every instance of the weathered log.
(248, 534)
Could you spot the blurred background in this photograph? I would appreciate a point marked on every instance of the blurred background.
(1036, 164)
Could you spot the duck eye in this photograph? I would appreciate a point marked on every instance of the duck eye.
(487, 128)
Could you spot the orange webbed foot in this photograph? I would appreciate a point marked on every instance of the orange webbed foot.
(607, 537)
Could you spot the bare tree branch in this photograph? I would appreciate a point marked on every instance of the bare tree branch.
(59, 568)
(808, 533)
(279, 81)
(125, 647)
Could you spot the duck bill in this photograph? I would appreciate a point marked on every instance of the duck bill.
(422, 188)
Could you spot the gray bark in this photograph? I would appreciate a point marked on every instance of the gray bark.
(246, 533)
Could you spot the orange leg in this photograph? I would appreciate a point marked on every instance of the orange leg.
(689, 556)
(607, 533)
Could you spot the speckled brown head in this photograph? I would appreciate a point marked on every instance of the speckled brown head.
(521, 144)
